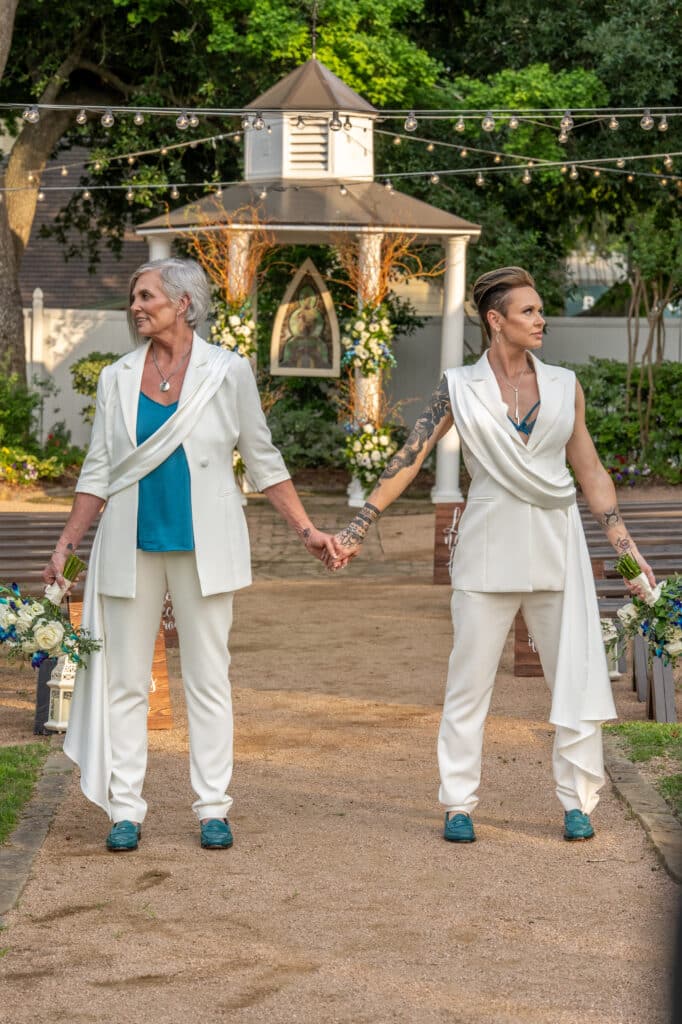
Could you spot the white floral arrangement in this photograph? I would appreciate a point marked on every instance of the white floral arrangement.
(233, 328)
(367, 338)
(368, 451)
(657, 617)
(35, 627)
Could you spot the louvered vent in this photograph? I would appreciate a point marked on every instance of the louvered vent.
(310, 147)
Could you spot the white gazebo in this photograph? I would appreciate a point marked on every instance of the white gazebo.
(309, 171)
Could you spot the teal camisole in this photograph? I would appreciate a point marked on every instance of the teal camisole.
(164, 511)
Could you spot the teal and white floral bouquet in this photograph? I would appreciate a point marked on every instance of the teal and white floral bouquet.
(367, 337)
(368, 451)
(35, 627)
(659, 617)
(233, 328)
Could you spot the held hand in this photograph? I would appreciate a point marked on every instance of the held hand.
(348, 545)
(646, 569)
(322, 545)
(53, 571)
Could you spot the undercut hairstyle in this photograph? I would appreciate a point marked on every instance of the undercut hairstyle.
(178, 278)
(491, 291)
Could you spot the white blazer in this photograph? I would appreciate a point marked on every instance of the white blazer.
(232, 419)
(506, 543)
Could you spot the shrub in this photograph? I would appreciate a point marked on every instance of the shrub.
(85, 374)
(17, 408)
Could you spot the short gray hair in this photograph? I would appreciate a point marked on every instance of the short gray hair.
(178, 277)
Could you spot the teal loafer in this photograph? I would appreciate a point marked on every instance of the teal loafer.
(459, 828)
(124, 835)
(216, 834)
(577, 826)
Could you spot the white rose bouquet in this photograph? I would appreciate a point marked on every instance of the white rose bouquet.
(659, 618)
(368, 451)
(367, 337)
(35, 626)
(233, 327)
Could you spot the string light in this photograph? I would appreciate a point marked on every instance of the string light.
(97, 166)
(597, 172)
(663, 124)
(31, 115)
(667, 162)
(630, 178)
(567, 121)
(87, 195)
(397, 140)
(81, 117)
(164, 151)
(193, 121)
(175, 192)
(647, 121)
(182, 122)
(263, 194)
(107, 119)
(460, 125)
(513, 122)
(131, 160)
(564, 168)
(138, 118)
(562, 137)
(434, 179)
(347, 124)
(620, 162)
(613, 123)
(258, 122)
(527, 177)
(464, 153)
(573, 173)
(246, 123)
(480, 180)
(488, 123)
(664, 182)
(130, 195)
(430, 148)
(335, 123)
(343, 190)
(64, 172)
(497, 158)
(411, 122)
(388, 185)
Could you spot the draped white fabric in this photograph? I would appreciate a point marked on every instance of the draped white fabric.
(582, 697)
(87, 740)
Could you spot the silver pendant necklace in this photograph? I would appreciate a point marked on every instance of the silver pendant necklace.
(165, 381)
(515, 389)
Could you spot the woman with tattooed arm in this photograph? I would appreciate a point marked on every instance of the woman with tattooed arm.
(520, 546)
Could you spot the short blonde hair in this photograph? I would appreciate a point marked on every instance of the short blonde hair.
(491, 290)
(178, 277)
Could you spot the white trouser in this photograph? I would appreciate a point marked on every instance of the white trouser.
(203, 624)
(481, 624)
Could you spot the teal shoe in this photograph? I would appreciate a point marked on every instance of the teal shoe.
(124, 835)
(459, 829)
(216, 834)
(577, 826)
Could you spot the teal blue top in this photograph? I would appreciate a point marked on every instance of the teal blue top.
(524, 427)
(164, 510)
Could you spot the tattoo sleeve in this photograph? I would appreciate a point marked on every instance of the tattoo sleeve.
(438, 408)
(356, 530)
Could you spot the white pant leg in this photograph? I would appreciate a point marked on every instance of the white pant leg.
(131, 625)
(203, 631)
(542, 612)
(481, 624)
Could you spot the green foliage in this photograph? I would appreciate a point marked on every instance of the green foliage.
(616, 435)
(85, 375)
(304, 425)
(670, 789)
(645, 740)
(17, 408)
(19, 771)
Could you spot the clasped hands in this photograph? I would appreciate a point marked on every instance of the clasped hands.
(334, 551)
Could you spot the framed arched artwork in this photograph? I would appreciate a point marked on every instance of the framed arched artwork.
(305, 336)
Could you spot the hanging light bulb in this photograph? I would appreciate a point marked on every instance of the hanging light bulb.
(64, 172)
(219, 192)
(430, 148)
(81, 117)
(193, 121)
(87, 195)
(174, 192)
(464, 153)
(411, 122)
(30, 177)
(388, 185)
(460, 125)
(488, 123)
(663, 124)
(620, 162)
(630, 178)
(397, 140)
(31, 115)
(138, 118)
(564, 169)
(480, 180)
(573, 173)
(613, 123)
(497, 158)
(647, 121)
(41, 196)
(335, 123)
(664, 182)
(347, 124)
(343, 190)
(263, 194)
(131, 161)
(527, 177)
(130, 195)
(567, 121)
(597, 172)
(562, 137)
(668, 162)
(182, 122)
(107, 119)
(97, 166)
(246, 123)
(164, 151)
(258, 122)
(268, 129)
(237, 137)
(513, 122)
(434, 179)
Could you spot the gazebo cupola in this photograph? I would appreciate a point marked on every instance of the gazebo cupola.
(310, 126)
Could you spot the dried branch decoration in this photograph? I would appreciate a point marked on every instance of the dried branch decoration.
(232, 251)
(398, 259)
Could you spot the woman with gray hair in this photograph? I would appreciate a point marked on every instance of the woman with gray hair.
(168, 418)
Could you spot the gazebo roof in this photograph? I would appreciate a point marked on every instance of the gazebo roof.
(313, 209)
(311, 87)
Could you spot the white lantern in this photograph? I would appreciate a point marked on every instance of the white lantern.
(610, 633)
(61, 692)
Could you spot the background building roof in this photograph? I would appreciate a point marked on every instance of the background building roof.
(310, 87)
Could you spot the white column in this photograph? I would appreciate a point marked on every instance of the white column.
(159, 246)
(237, 266)
(451, 354)
(37, 357)
(367, 389)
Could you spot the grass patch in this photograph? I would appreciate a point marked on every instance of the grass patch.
(671, 789)
(645, 740)
(19, 771)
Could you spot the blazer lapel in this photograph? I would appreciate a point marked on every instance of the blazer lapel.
(551, 392)
(197, 368)
(482, 382)
(129, 384)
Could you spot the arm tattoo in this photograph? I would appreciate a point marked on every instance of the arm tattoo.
(438, 408)
(356, 530)
(611, 517)
(622, 544)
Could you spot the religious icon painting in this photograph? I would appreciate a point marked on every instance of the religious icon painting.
(305, 337)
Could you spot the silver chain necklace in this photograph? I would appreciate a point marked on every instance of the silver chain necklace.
(516, 391)
(165, 385)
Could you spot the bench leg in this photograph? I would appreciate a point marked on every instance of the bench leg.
(640, 665)
(663, 692)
